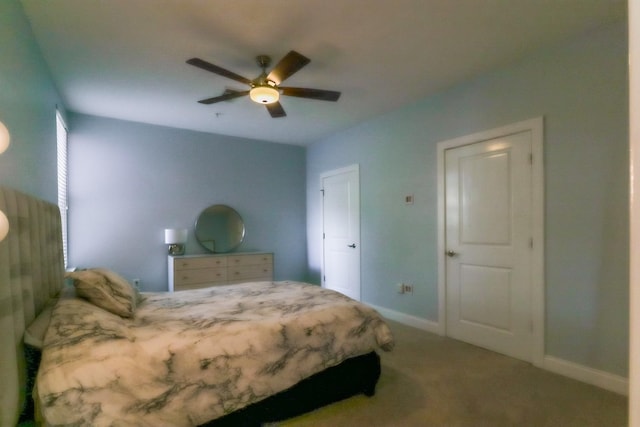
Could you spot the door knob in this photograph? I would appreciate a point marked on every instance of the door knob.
(451, 254)
(353, 245)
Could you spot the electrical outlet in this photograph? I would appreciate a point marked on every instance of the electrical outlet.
(408, 289)
(136, 283)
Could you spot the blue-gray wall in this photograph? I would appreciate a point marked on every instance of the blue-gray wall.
(581, 89)
(28, 101)
(129, 181)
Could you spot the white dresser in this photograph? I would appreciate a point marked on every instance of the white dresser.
(201, 271)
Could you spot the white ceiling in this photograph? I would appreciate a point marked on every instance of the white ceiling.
(125, 59)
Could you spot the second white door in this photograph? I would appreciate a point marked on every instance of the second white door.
(488, 194)
(341, 231)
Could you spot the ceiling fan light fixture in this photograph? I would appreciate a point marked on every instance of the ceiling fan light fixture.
(264, 94)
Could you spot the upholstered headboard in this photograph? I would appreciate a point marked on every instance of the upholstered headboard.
(31, 272)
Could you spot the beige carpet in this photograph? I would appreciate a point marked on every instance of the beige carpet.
(433, 381)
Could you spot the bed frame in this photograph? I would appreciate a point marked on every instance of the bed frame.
(354, 376)
(32, 271)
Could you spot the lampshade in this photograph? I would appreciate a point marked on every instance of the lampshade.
(4, 137)
(175, 235)
(4, 225)
(264, 94)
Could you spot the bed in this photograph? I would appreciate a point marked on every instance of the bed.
(237, 355)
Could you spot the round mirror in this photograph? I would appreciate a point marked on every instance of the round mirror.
(219, 228)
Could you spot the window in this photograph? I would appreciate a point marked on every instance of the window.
(62, 180)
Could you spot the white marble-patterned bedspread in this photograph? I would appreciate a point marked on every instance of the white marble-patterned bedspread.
(193, 356)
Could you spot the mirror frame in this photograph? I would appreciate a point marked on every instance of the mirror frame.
(208, 241)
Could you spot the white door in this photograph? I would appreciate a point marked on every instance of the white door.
(488, 199)
(341, 231)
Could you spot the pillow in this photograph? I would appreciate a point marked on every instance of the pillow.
(120, 281)
(34, 334)
(112, 293)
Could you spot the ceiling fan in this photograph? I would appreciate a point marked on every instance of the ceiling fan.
(265, 89)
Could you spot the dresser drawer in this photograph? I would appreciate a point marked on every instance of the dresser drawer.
(257, 259)
(199, 286)
(250, 272)
(200, 262)
(200, 275)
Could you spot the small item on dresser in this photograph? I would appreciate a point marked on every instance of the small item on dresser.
(175, 238)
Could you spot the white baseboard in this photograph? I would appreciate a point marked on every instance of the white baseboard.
(407, 319)
(602, 379)
(588, 375)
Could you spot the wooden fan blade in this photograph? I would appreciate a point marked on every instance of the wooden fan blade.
(276, 110)
(197, 62)
(292, 62)
(228, 94)
(319, 94)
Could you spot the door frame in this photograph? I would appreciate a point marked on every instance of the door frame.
(347, 169)
(536, 127)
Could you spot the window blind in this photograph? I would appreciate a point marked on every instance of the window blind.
(62, 180)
